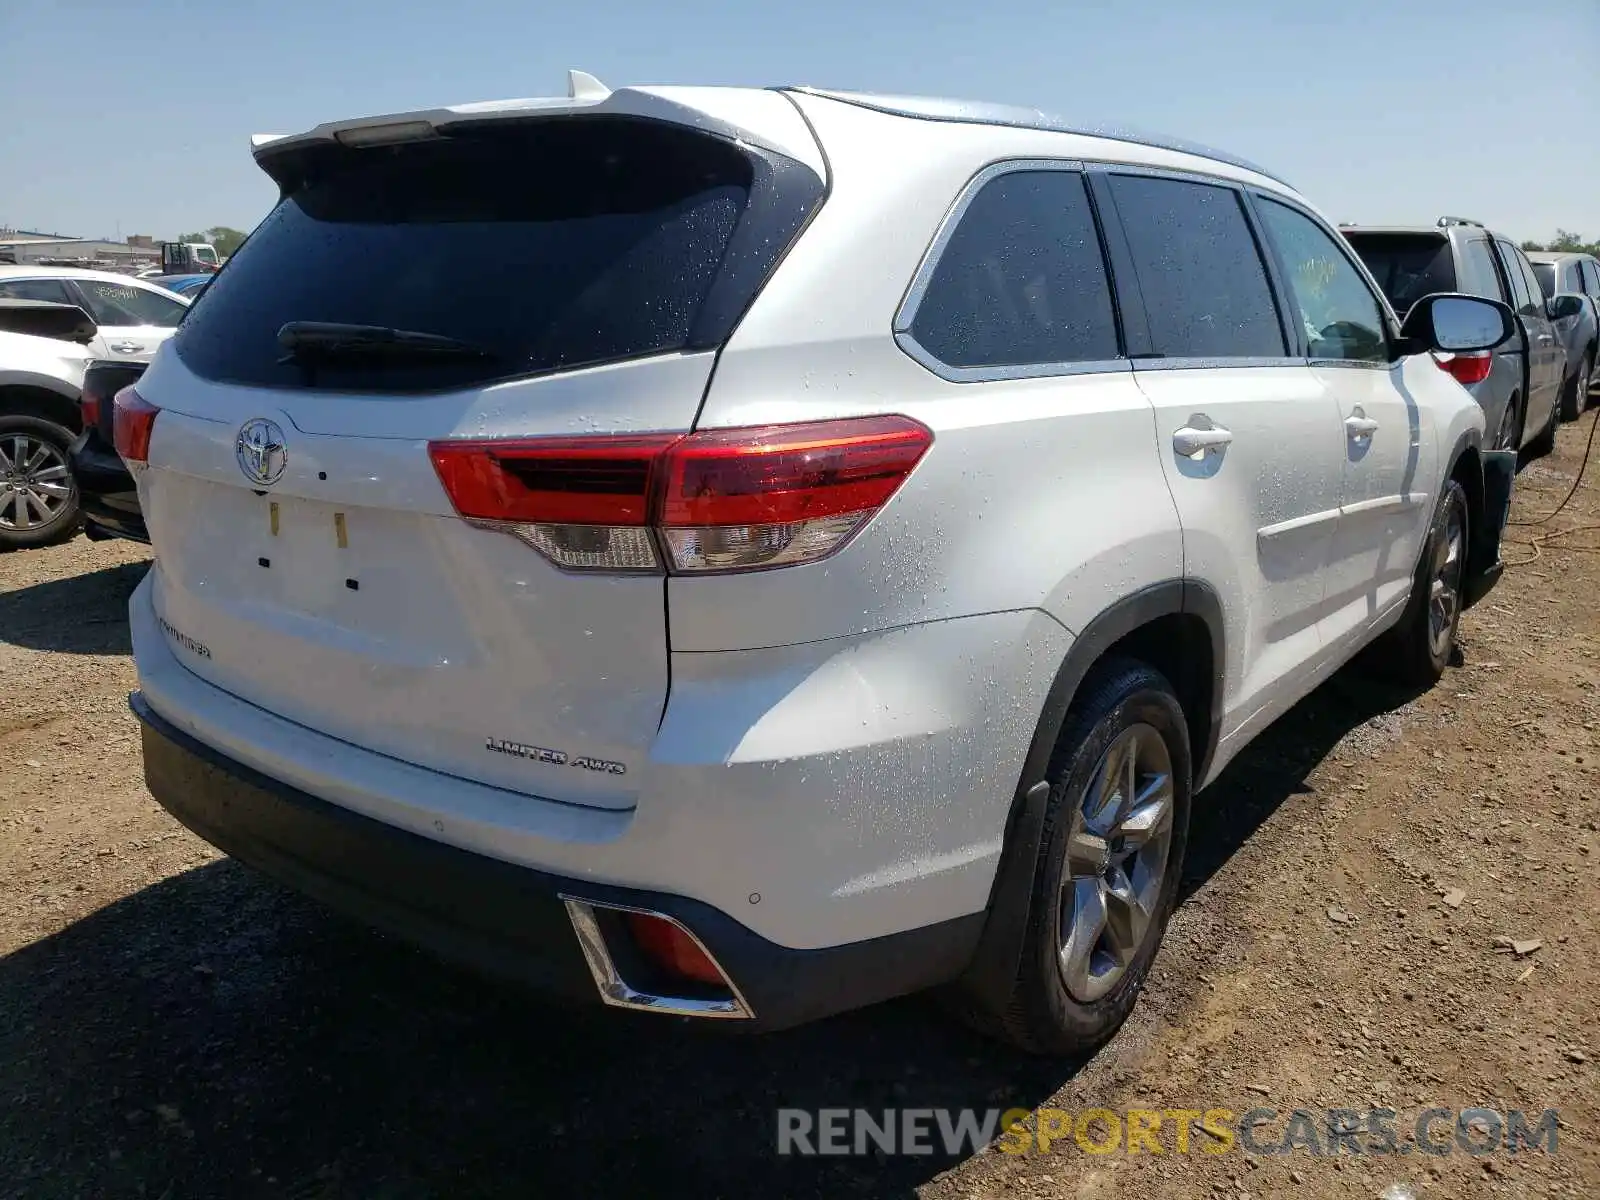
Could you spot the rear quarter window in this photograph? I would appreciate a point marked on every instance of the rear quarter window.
(1021, 282)
(548, 245)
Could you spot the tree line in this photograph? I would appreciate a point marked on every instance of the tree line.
(1566, 242)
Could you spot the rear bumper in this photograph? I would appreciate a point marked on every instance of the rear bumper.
(506, 919)
(107, 497)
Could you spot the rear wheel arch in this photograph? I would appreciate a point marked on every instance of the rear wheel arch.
(1175, 627)
(31, 400)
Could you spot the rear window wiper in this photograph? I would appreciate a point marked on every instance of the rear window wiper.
(308, 341)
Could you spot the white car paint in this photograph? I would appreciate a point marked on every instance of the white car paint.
(845, 737)
(47, 363)
(134, 318)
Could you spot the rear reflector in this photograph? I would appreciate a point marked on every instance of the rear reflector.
(671, 948)
(718, 500)
(133, 418)
(1466, 368)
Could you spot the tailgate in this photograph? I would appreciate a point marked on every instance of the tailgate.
(550, 279)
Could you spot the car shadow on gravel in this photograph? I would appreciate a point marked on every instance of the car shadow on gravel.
(81, 614)
(1274, 767)
(215, 1035)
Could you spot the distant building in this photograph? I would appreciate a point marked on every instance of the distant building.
(21, 247)
(141, 241)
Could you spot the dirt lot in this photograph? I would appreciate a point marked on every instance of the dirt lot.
(172, 1026)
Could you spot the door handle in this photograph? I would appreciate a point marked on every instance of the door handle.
(126, 347)
(1360, 428)
(1197, 443)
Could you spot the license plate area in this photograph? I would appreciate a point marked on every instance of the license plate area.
(306, 555)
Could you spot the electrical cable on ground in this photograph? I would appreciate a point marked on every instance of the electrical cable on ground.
(1536, 541)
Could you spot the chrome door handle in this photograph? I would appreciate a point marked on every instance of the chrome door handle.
(1196, 443)
(1360, 428)
(126, 347)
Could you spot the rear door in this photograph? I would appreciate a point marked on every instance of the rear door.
(1386, 499)
(1546, 357)
(584, 272)
(134, 320)
(1250, 440)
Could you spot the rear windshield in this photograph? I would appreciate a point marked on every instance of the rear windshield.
(546, 245)
(1547, 278)
(1406, 266)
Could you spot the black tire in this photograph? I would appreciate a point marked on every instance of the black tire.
(1509, 435)
(1415, 652)
(1121, 698)
(1575, 393)
(24, 530)
(1545, 440)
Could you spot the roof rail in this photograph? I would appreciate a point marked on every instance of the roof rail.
(1447, 221)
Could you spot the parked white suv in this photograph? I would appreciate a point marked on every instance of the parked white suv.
(752, 553)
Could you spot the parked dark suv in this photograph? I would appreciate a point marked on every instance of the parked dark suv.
(1519, 385)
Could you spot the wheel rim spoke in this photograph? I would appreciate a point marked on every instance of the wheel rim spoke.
(1126, 917)
(1085, 922)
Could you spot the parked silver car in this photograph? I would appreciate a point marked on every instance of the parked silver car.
(1576, 274)
(1520, 383)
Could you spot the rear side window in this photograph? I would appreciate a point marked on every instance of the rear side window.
(1525, 291)
(1477, 274)
(1205, 288)
(1021, 281)
(51, 290)
(1406, 266)
(543, 246)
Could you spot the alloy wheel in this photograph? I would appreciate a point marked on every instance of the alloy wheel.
(1444, 586)
(35, 482)
(1117, 850)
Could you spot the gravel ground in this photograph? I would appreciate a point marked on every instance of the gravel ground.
(173, 1026)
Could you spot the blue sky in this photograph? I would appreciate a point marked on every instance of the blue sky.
(135, 115)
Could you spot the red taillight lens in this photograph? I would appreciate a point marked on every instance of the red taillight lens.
(720, 500)
(89, 409)
(671, 948)
(132, 420)
(1466, 368)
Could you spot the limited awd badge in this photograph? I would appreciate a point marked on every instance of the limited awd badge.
(261, 451)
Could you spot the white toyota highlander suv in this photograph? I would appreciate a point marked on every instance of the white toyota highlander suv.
(751, 553)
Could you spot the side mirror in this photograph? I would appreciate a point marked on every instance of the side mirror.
(1563, 305)
(1456, 324)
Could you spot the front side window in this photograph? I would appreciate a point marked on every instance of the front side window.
(126, 304)
(50, 290)
(1205, 287)
(1342, 317)
(1545, 273)
(1022, 281)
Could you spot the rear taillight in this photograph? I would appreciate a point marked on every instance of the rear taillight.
(719, 500)
(1466, 368)
(132, 420)
(89, 408)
